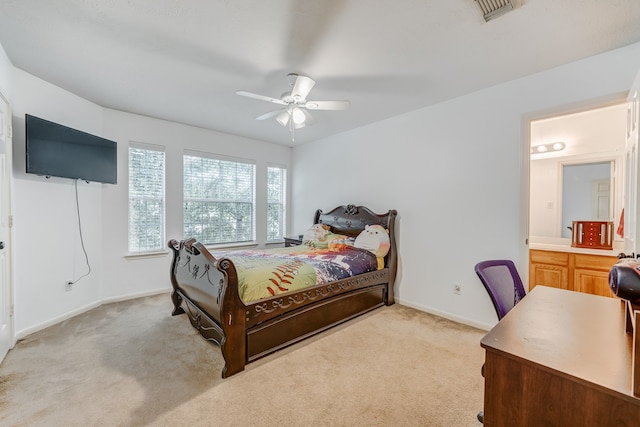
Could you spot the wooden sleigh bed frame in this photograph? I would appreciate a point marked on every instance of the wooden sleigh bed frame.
(206, 289)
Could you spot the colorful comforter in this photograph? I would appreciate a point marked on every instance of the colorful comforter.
(268, 272)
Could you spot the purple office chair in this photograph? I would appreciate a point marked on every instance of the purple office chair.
(503, 283)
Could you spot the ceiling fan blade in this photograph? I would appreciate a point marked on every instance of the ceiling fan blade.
(327, 105)
(261, 97)
(269, 114)
(302, 87)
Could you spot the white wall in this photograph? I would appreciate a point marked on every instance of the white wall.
(6, 72)
(136, 276)
(47, 247)
(456, 173)
(545, 198)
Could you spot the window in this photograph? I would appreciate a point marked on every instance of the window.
(146, 198)
(276, 206)
(218, 199)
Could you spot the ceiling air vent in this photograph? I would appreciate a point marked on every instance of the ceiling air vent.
(494, 8)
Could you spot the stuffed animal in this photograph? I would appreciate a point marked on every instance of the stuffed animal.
(375, 239)
(316, 233)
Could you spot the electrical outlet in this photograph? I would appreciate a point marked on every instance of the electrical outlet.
(457, 289)
(68, 286)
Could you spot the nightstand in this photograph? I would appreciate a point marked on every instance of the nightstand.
(292, 241)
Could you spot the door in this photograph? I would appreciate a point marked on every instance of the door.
(600, 199)
(631, 172)
(6, 288)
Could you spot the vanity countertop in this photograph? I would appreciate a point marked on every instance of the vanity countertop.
(568, 248)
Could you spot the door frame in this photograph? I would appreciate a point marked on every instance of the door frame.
(525, 159)
(10, 237)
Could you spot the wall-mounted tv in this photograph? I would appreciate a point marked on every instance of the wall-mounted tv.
(56, 150)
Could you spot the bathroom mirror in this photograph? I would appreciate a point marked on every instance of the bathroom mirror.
(587, 193)
(563, 190)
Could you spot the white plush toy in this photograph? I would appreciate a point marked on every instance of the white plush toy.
(375, 239)
(315, 233)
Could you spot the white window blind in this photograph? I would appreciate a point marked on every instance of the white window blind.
(146, 198)
(219, 197)
(276, 202)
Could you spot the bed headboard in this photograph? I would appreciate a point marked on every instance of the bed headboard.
(351, 219)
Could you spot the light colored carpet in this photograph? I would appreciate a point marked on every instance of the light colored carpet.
(132, 363)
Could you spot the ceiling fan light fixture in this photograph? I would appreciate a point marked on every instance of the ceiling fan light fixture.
(298, 116)
(283, 118)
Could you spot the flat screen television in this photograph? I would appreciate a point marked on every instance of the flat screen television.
(56, 150)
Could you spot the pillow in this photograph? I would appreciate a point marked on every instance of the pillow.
(315, 232)
(326, 241)
(375, 239)
(320, 236)
(316, 236)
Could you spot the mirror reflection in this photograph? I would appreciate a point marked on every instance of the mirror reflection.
(586, 193)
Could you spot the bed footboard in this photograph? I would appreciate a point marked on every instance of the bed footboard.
(206, 289)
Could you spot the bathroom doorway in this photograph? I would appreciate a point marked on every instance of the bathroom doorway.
(570, 155)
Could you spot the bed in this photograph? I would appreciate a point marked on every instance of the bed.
(206, 289)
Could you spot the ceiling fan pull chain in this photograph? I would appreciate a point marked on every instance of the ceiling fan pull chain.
(292, 129)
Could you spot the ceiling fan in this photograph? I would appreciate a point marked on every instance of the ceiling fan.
(295, 104)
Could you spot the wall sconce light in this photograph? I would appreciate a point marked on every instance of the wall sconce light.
(548, 148)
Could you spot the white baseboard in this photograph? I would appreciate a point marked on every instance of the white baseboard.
(443, 314)
(35, 328)
(134, 296)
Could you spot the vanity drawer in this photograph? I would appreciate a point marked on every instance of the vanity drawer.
(548, 257)
(595, 262)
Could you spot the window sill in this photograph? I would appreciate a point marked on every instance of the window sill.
(143, 255)
(231, 246)
(212, 248)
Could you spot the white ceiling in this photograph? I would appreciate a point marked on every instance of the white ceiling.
(184, 60)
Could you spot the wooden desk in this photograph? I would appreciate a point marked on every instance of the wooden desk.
(560, 358)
